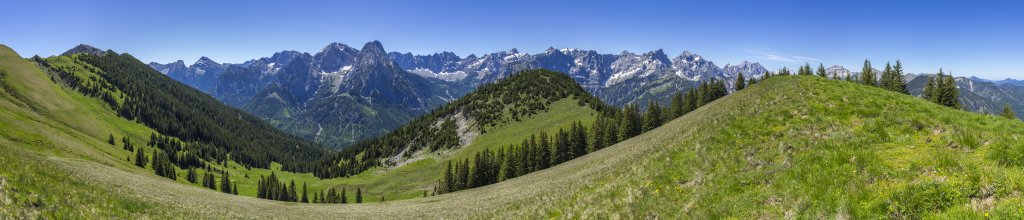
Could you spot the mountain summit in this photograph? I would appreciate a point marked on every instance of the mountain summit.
(83, 48)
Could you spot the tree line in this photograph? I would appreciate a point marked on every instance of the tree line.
(510, 99)
(541, 151)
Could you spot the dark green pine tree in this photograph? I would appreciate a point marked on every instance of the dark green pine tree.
(544, 150)
(630, 122)
(888, 79)
(505, 168)
(140, 158)
(931, 90)
(950, 95)
(1007, 112)
(191, 175)
(449, 181)
(806, 70)
(821, 70)
(343, 197)
(653, 118)
(740, 83)
(359, 195)
(579, 140)
(225, 183)
(110, 140)
(867, 74)
(464, 175)
(209, 182)
(261, 190)
(332, 196)
(901, 82)
(562, 152)
(234, 189)
(127, 143)
(677, 104)
(597, 133)
(293, 194)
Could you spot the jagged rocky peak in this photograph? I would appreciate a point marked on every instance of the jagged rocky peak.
(689, 56)
(335, 56)
(373, 53)
(83, 48)
(284, 56)
(553, 51)
(658, 55)
(205, 61)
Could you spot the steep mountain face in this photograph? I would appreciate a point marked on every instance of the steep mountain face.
(979, 96)
(693, 67)
(342, 95)
(240, 83)
(443, 65)
(618, 79)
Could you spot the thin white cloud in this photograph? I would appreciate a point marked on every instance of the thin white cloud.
(770, 56)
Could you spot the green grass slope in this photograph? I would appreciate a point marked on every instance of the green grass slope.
(789, 147)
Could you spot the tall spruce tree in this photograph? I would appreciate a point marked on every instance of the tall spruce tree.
(127, 144)
(740, 82)
(821, 70)
(889, 79)
(653, 118)
(140, 158)
(930, 89)
(110, 140)
(867, 74)
(191, 175)
(544, 149)
(225, 183)
(449, 181)
(343, 197)
(950, 95)
(630, 122)
(901, 82)
(359, 195)
(293, 194)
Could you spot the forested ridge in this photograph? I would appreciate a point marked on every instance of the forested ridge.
(510, 99)
(209, 129)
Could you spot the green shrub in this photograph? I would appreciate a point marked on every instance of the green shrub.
(916, 200)
(1008, 153)
(965, 139)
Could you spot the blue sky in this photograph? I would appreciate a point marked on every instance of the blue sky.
(981, 38)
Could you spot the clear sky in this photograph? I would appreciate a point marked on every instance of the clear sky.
(981, 38)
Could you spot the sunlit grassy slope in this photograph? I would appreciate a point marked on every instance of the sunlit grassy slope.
(796, 146)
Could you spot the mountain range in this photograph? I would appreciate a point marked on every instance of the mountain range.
(341, 95)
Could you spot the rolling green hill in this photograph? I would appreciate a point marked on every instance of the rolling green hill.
(788, 147)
